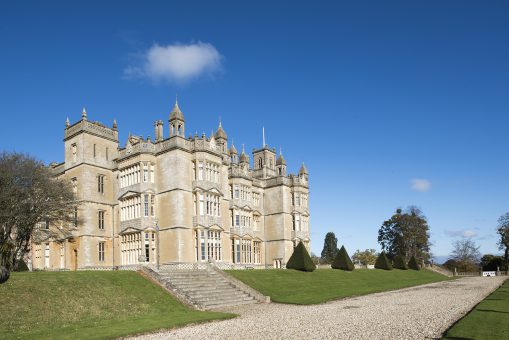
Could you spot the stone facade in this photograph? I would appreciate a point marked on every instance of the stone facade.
(174, 200)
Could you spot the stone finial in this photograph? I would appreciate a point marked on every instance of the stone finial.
(84, 114)
(114, 124)
(67, 122)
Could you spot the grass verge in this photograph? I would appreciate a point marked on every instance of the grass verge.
(89, 305)
(488, 320)
(296, 287)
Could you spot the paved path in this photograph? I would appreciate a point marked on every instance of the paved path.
(422, 312)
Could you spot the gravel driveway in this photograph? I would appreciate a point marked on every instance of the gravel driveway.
(422, 312)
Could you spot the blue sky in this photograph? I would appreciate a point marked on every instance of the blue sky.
(370, 95)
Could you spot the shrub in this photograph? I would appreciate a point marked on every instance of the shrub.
(399, 262)
(300, 259)
(21, 266)
(342, 260)
(4, 274)
(382, 262)
(412, 264)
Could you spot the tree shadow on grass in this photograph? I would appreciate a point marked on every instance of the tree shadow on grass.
(457, 338)
(491, 310)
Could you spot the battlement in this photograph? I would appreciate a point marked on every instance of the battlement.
(94, 128)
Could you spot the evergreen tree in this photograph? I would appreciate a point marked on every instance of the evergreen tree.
(412, 264)
(300, 259)
(342, 260)
(399, 262)
(330, 247)
(382, 262)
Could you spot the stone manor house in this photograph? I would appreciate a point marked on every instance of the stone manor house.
(173, 200)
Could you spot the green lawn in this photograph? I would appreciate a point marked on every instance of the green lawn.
(291, 286)
(88, 305)
(488, 320)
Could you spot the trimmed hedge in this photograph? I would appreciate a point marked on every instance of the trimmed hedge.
(342, 260)
(399, 262)
(382, 262)
(300, 259)
(412, 264)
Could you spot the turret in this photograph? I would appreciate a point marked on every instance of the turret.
(244, 158)
(233, 153)
(221, 138)
(176, 120)
(281, 164)
(303, 172)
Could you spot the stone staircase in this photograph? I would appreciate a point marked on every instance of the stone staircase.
(205, 288)
(440, 270)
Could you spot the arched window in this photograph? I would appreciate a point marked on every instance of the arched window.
(260, 163)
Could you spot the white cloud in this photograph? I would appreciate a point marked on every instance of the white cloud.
(467, 233)
(420, 184)
(176, 63)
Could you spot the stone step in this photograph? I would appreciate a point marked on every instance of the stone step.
(196, 281)
(200, 295)
(221, 305)
(231, 300)
(204, 288)
(192, 277)
(211, 285)
(189, 274)
(204, 300)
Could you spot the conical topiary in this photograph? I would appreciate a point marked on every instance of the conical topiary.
(382, 262)
(399, 262)
(412, 264)
(4, 274)
(342, 260)
(300, 259)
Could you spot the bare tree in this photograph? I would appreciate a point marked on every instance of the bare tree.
(29, 195)
(466, 254)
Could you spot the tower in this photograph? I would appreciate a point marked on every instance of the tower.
(264, 161)
(177, 127)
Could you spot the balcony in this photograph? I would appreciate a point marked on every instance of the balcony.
(241, 231)
(207, 221)
(206, 185)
